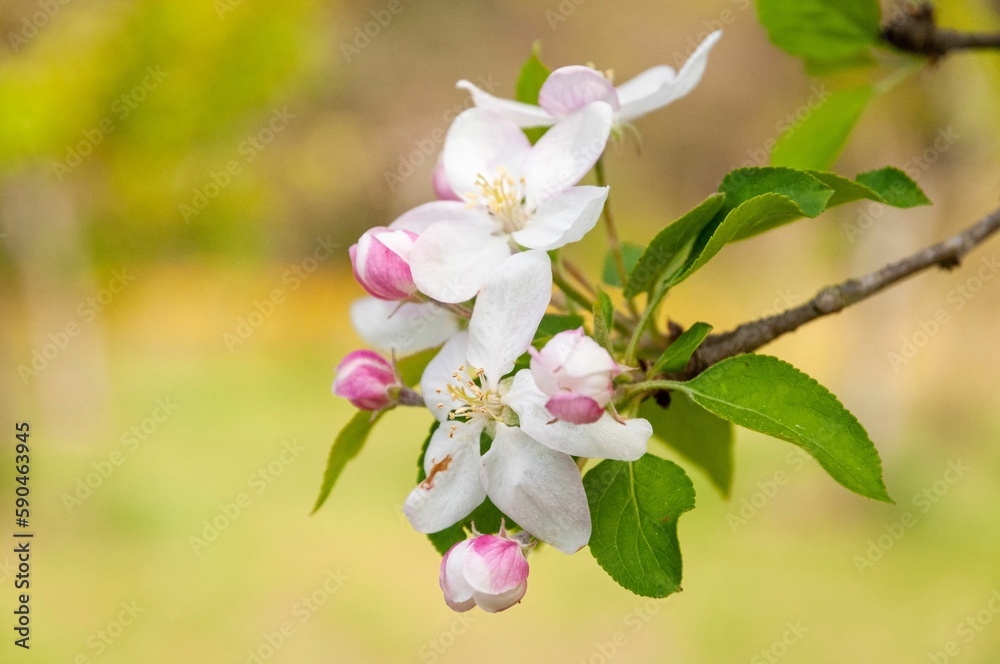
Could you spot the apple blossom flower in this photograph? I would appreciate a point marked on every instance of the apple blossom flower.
(528, 472)
(518, 195)
(367, 380)
(488, 571)
(568, 89)
(381, 263)
(575, 372)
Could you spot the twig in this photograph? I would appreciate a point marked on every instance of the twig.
(915, 30)
(832, 299)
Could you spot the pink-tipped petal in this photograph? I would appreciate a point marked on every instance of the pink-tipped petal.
(574, 408)
(364, 378)
(495, 565)
(457, 591)
(381, 265)
(568, 89)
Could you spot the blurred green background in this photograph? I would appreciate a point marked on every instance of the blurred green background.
(166, 167)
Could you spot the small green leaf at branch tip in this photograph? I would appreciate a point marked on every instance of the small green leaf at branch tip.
(671, 246)
(768, 395)
(630, 255)
(346, 446)
(895, 187)
(817, 141)
(702, 438)
(677, 355)
(634, 507)
(604, 313)
(809, 193)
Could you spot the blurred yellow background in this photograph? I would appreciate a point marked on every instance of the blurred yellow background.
(172, 176)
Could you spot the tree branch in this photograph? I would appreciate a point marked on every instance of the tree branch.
(915, 30)
(832, 299)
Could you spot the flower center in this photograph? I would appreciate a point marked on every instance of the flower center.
(476, 400)
(503, 199)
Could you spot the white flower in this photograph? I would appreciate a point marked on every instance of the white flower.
(528, 472)
(568, 89)
(518, 195)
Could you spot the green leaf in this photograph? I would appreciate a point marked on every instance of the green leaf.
(677, 355)
(894, 187)
(411, 368)
(701, 437)
(346, 446)
(634, 507)
(754, 216)
(809, 193)
(529, 82)
(764, 394)
(671, 246)
(817, 141)
(827, 34)
(630, 255)
(553, 324)
(604, 313)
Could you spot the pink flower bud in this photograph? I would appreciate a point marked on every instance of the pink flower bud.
(381, 261)
(442, 189)
(365, 378)
(576, 373)
(488, 571)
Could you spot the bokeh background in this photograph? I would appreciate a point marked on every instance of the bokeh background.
(168, 168)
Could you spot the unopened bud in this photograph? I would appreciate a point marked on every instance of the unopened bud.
(488, 571)
(367, 380)
(381, 261)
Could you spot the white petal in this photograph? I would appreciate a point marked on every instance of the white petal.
(453, 487)
(457, 591)
(646, 84)
(507, 313)
(537, 487)
(421, 217)
(478, 142)
(523, 115)
(568, 89)
(404, 329)
(604, 439)
(564, 218)
(497, 603)
(566, 152)
(451, 259)
(642, 98)
(438, 374)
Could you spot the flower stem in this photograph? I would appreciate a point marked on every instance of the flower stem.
(613, 242)
(648, 386)
(648, 316)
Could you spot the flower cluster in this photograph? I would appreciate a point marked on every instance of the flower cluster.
(470, 273)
